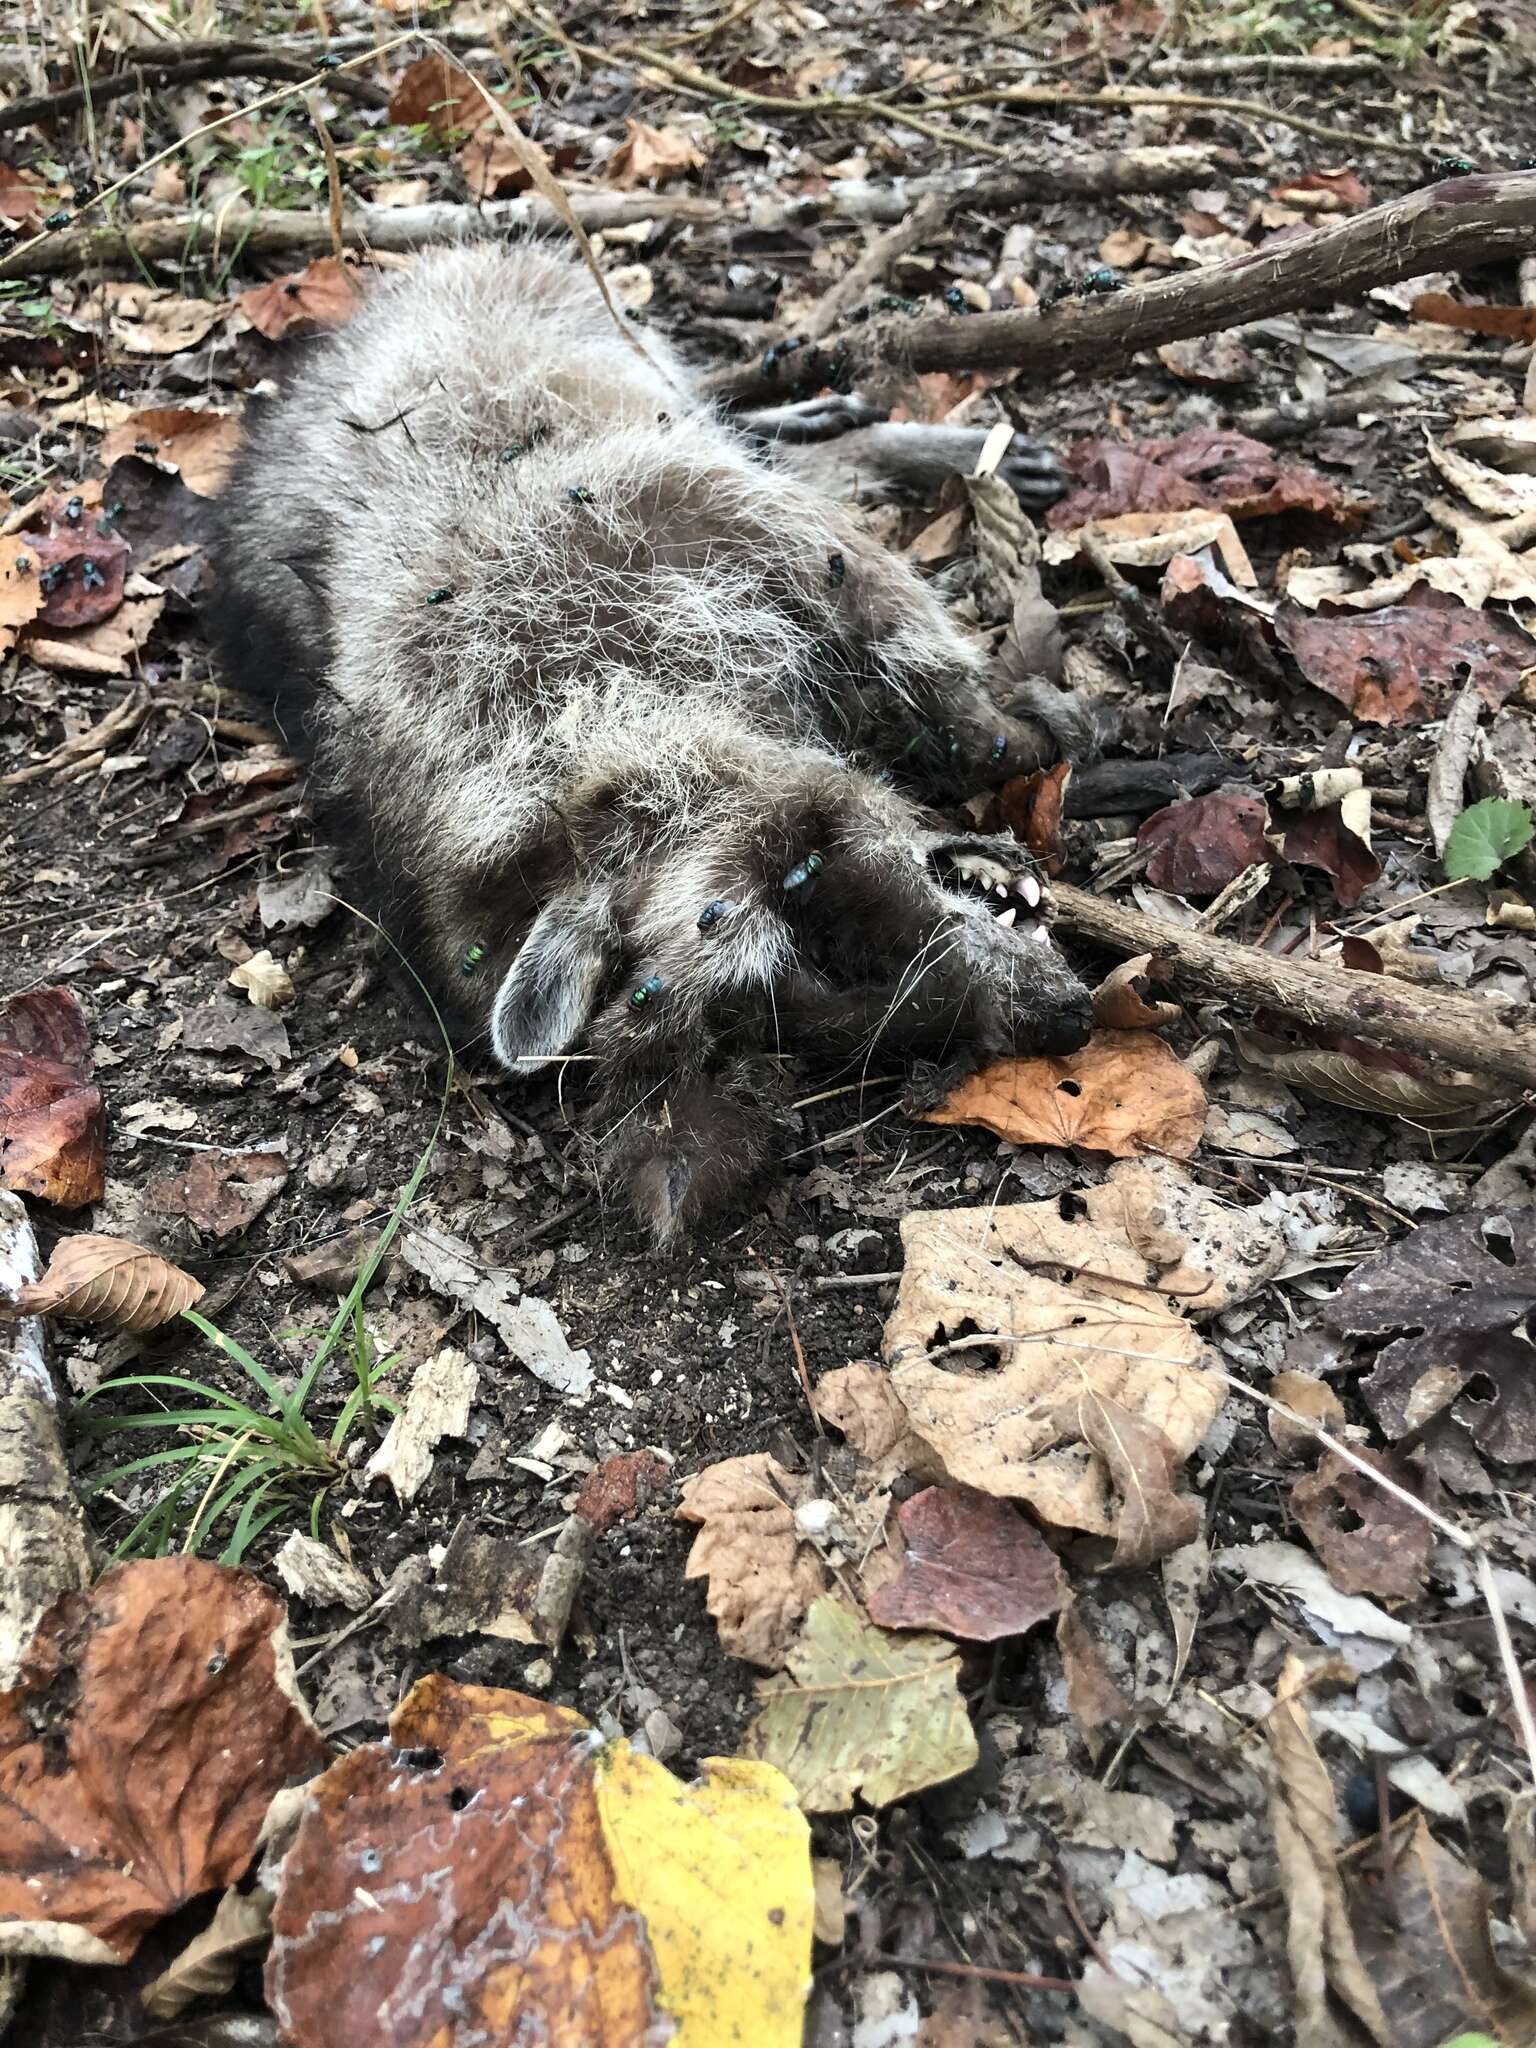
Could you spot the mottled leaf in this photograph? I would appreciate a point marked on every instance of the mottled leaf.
(973, 1568)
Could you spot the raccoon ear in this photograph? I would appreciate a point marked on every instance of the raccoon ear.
(551, 988)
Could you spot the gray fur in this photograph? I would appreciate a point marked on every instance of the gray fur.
(575, 663)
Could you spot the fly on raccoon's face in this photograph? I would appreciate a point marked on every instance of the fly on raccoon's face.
(579, 494)
(999, 749)
(646, 994)
(439, 596)
(712, 913)
(804, 871)
(837, 570)
(473, 955)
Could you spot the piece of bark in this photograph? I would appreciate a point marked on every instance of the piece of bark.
(1460, 222)
(169, 69)
(43, 1551)
(1093, 173)
(1476, 1034)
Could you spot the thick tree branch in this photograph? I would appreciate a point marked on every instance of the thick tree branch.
(1478, 1034)
(1449, 226)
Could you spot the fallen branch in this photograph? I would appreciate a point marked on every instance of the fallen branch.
(1090, 174)
(299, 236)
(396, 229)
(43, 1550)
(170, 67)
(1449, 226)
(1477, 1034)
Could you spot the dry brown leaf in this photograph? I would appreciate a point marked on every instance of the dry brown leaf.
(762, 1577)
(1094, 1698)
(1197, 847)
(860, 1401)
(200, 445)
(106, 649)
(439, 95)
(1368, 1540)
(323, 294)
(1119, 1003)
(109, 1281)
(1399, 665)
(1097, 1330)
(1433, 1100)
(973, 1568)
(1203, 1253)
(1311, 1398)
(152, 1724)
(52, 1115)
(651, 156)
(219, 1193)
(1153, 1520)
(1138, 540)
(1308, 1839)
(1125, 1093)
(1430, 1954)
(149, 321)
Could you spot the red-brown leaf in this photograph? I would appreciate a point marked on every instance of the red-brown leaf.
(53, 1125)
(974, 1568)
(1200, 846)
(140, 1749)
(1321, 839)
(1396, 665)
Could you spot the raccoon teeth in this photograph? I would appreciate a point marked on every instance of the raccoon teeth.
(1000, 889)
(1041, 935)
(1029, 889)
(1006, 918)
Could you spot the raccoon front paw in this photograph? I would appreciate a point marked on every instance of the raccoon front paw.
(1032, 472)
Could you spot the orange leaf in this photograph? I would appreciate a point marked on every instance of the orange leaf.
(1126, 1092)
(109, 1281)
(323, 294)
(438, 94)
(139, 1751)
(1510, 323)
(200, 445)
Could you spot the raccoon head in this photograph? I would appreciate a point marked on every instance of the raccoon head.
(826, 924)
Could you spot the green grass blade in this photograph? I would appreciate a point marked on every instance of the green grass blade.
(268, 1385)
(251, 1523)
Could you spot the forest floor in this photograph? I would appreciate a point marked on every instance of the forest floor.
(1314, 708)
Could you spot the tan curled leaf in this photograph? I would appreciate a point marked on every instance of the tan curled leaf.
(1153, 1520)
(1435, 1100)
(1085, 1321)
(860, 1401)
(208, 1966)
(862, 1712)
(1125, 1093)
(323, 294)
(1308, 1839)
(762, 1577)
(651, 156)
(109, 1281)
(1120, 1004)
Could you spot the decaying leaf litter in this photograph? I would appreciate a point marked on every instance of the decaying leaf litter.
(920, 1498)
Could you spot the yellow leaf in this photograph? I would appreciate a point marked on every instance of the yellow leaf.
(720, 1872)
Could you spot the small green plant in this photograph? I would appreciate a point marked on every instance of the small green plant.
(1485, 836)
(249, 1461)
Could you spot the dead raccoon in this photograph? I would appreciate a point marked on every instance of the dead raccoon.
(615, 713)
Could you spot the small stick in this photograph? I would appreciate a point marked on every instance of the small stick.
(847, 294)
(794, 1338)
(1478, 1034)
(1022, 1980)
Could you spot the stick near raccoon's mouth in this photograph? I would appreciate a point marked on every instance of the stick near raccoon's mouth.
(588, 720)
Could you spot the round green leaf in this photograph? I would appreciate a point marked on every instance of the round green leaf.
(1484, 837)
